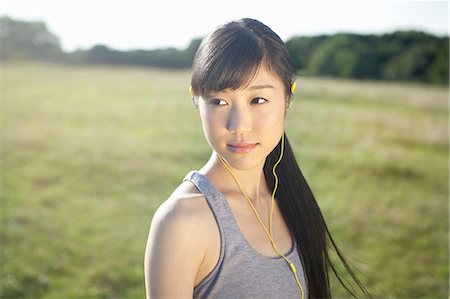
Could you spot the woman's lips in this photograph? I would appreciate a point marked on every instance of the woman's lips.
(241, 147)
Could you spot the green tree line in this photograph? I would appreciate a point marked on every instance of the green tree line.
(400, 55)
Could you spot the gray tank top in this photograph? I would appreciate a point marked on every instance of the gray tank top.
(243, 272)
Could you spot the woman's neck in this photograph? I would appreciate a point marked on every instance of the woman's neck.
(252, 180)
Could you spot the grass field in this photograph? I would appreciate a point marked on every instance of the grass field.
(89, 153)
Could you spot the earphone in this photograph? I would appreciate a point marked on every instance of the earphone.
(269, 232)
(293, 87)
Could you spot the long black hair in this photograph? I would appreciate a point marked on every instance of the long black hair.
(228, 58)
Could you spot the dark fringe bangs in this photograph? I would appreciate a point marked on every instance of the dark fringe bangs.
(231, 64)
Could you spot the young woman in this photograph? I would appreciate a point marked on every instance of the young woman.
(246, 225)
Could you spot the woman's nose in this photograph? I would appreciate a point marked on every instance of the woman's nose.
(240, 120)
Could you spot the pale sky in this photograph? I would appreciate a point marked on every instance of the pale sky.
(139, 24)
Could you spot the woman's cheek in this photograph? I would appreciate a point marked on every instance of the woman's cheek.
(211, 127)
(272, 118)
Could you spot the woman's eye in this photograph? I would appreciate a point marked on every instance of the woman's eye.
(217, 102)
(258, 101)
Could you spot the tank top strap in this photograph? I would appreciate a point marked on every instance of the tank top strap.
(217, 202)
(241, 271)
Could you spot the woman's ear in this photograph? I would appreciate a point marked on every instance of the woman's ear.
(193, 98)
(291, 96)
(289, 103)
(195, 101)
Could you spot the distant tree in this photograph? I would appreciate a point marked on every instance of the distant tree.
(438, 71)
(27, 40)
(415, 56)
(101, 54)
(302, 48)
(410, 64)
(343, 55)
(401, 55)
(189, 52)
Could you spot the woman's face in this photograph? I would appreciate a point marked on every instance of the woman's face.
(243, 126)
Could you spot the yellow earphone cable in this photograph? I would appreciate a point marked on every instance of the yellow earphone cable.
(269, 234)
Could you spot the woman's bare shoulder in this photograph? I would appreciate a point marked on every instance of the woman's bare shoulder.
(185, 212)
(185, 203)
(177, 243)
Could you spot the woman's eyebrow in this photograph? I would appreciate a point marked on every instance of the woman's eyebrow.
(261, 86)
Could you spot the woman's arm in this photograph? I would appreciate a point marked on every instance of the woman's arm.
(174, 250)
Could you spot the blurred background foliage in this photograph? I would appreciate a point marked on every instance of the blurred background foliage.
(401, 55)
